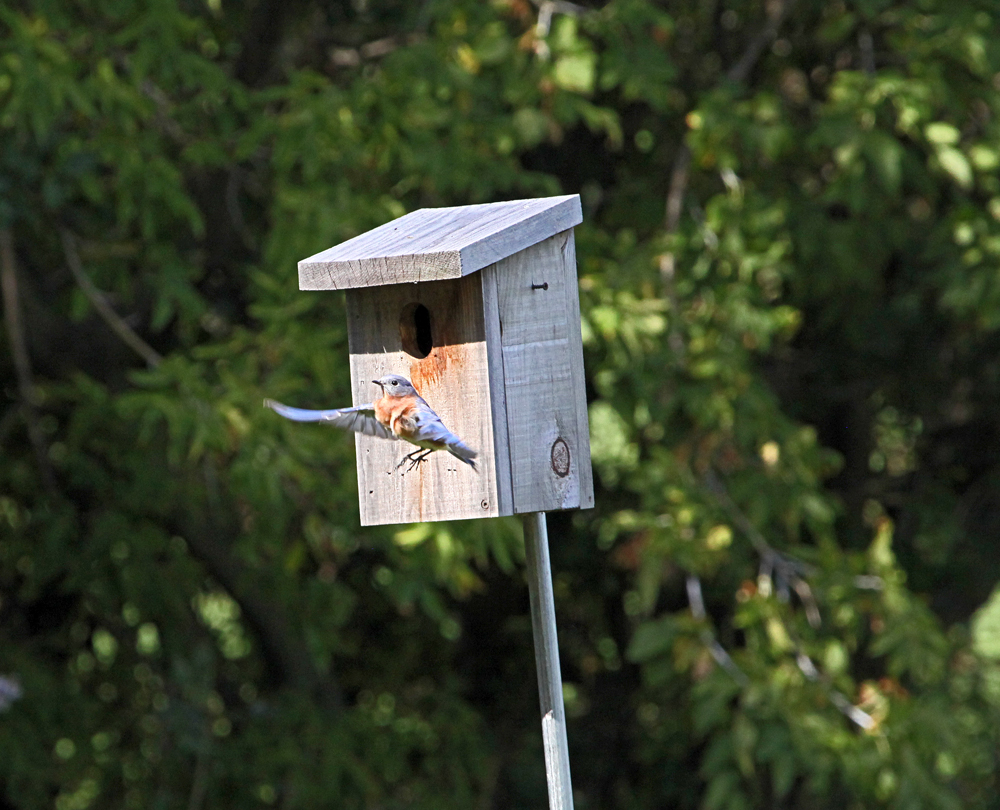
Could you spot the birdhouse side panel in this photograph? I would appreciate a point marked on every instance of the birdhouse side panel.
(542, 358)
(585, 469)
(433, 334)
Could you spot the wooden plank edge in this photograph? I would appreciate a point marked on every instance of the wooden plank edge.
(343, 274)
(497, 393)
(566, 212)
(351, 274)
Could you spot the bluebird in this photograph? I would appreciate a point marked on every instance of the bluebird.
(400, 413)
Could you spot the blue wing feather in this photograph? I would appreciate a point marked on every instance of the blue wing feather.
(433, 433)
(360, 419)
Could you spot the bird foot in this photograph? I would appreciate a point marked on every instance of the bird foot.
(414, 458)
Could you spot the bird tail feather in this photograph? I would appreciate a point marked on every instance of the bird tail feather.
(463, 452)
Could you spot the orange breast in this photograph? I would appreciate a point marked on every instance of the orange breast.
(383, 410)
(396, 414)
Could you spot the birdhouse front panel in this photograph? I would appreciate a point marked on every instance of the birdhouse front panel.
(433, 334)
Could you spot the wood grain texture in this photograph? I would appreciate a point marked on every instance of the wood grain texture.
(498, 396)
(579, 385)
(453, 378)
(439, 243)
(542, 358)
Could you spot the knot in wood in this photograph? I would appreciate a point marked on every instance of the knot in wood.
(560, 457)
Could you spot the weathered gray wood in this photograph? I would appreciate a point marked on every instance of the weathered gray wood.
(579, 384)
(506, 371)
(498, 396)
(550, 694)
(547, 426)
(439, 243)
(452, 378)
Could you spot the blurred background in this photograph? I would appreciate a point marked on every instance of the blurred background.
(790, 286)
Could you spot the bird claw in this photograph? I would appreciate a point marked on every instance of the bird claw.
(414, 458)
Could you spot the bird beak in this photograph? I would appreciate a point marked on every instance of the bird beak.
(376, 382)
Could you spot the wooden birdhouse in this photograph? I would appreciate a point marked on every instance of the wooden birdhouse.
(478, 306)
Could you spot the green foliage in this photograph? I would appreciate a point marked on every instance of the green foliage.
(790, 286)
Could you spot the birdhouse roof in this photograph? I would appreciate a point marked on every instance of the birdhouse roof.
(439, 243)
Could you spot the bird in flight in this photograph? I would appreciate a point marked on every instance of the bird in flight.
(400, 413)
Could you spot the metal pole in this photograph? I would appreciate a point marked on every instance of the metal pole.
(543, 626)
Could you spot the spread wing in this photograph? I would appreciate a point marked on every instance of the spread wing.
(360, 419)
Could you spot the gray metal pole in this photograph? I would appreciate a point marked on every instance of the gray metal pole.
(543, 626)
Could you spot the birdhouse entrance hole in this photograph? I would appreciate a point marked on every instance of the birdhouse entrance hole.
(415, 330)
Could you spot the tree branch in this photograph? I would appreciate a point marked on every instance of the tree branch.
(104, 309)
(777, 12)
(262, 38)
(668, 268)
(285, 655)
(697, 604)
(547, 9)
(680, 174)
(352, 57)
(22, 360)
(782, 570)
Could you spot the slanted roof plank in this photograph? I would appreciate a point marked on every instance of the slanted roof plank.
(437, 243)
